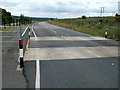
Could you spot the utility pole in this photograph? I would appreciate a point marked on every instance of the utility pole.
(119, 8)
(102, 11)
(113, 13)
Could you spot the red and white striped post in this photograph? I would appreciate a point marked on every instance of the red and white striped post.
(106, 33)
(29, 32)
(21, 53)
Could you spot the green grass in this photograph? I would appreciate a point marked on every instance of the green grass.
(11, 28)
(10, 38)
(7, 29)
(24, 25)
(93, 26)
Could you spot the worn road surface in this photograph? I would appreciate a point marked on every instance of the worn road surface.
(61, 58)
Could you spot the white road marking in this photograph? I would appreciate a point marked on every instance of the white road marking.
(112, 64)
(93, 53)
(37, 81)
(33, 32)
(21, 51)
(67, 53)
(24, 31)
(52, 30)
(66, 38)
(62, 36)
(60, 53)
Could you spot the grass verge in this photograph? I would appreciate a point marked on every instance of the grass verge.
(7, 29)
(93, 26)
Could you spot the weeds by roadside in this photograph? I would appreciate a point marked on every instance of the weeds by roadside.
(93, 26)
(7, 29)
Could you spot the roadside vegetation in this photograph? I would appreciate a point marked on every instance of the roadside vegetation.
(7, 29)
(8, 22)
(92, 25)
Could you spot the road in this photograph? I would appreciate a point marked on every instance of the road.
(61, 58)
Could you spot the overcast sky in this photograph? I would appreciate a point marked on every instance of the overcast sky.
(60, 8)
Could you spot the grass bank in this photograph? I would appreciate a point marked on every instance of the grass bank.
(94, 26)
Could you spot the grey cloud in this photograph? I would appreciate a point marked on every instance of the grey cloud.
(57, 8)
(60, 8)
(69, 8)
(9, 4)
(61, 4)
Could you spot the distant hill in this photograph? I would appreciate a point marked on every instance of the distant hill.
(16, 17)
(36, 18)
(40, 19)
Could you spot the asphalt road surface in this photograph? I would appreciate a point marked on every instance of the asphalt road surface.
(61, 58)
(11, 77)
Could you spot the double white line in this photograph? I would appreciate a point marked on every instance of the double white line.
(37, 80)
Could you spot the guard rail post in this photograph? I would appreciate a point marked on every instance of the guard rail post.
(29, 32)
(21, 53)
(21, 49)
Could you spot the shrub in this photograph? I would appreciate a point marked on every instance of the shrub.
(101, 20)
(83, 17)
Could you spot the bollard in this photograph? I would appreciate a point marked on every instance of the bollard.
(21, 53)
(29, 32)
(106, 33)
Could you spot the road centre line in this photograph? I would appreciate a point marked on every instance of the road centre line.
(55, 32)
(52, 30)
(37, 80)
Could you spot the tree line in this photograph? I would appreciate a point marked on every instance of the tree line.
(8, 19)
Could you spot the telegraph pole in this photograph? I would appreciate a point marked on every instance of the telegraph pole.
(119, 8)
(102, 11)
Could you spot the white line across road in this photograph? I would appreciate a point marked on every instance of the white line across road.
(68, 53)
(67, 38)
(37, 81)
